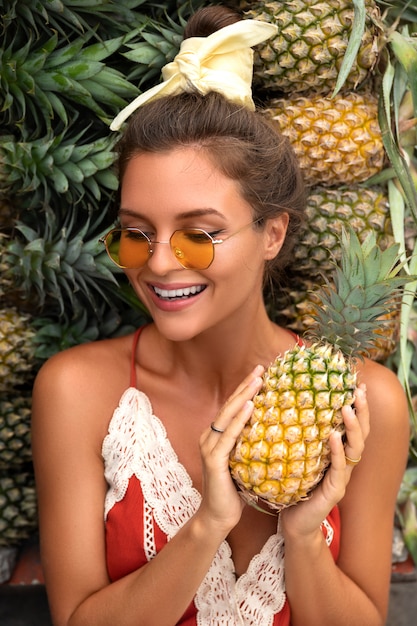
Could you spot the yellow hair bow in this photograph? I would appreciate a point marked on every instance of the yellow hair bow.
(221, 62)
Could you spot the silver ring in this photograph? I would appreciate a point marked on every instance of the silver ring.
(215, 429)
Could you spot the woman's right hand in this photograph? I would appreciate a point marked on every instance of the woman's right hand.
(221, 502)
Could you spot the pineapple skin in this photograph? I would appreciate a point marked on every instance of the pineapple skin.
(307, 53)
(15, 435)
(16, 351)
(337, 140)
(18, 507)
(328, 211)
(283, 451)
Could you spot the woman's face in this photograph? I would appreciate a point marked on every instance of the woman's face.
(182, 189)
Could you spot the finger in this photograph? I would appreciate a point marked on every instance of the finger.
(362, 409)
(355, 441)
(245, 392)
(256, 373)
(333, 486)
(356, 421)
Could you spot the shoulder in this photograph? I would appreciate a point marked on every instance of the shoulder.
(82, 386)
(385, 393)
(389, 434)
(86, 362)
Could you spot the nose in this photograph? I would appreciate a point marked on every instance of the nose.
(162, 258)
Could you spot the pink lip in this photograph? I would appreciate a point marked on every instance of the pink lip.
(172, 306)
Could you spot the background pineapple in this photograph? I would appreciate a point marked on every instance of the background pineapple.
(68, 68)
(337, 140)
(308, 51)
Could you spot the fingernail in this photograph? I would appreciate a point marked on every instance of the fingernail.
(361, 391)
(256, 382)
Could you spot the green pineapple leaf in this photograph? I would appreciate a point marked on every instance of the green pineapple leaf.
(365, 285)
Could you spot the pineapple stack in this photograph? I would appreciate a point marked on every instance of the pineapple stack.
(339, 81)
(319, 80)
(66, 70)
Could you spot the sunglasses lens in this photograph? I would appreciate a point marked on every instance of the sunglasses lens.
(193, 248)
(128, 248)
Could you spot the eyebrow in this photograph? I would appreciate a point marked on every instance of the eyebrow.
(185, 214)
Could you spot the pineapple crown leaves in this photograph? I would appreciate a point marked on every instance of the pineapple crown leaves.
(398, 11)
(60, 265)
(36, 80)
(364, 285)
(66, 16)
(50, 166)
(54, 334)
(158, 45)
(159, 42)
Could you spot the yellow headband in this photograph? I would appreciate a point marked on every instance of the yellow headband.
(221, 62)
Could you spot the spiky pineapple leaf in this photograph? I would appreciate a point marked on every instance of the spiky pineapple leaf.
(39, 172)
(358, 28)
(62, 264)
(66, 16)
(394, 153)
(32, 74)
(357, 295)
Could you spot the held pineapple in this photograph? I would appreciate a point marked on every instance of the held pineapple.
(283, 451)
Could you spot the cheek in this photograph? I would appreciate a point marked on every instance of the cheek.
(242, 269)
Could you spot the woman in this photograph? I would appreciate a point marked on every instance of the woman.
(210, 203)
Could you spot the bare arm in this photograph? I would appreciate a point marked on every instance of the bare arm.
(68, 429)
(356, 589)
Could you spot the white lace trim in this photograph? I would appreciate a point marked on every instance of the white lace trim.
(137, 444)
(148, 532)
(329, 534)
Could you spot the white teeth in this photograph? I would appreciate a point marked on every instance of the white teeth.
(178, 293)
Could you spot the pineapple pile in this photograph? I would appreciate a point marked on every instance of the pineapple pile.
(320, 80)
(67, 70)
(283, 451)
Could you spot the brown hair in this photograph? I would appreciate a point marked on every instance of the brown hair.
(241, 143)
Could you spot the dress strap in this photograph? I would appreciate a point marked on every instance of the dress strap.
(297, 338)
(133, 381)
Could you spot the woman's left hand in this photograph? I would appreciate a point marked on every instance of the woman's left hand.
(305, 517)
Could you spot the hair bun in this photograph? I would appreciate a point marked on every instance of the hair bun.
(208, 20)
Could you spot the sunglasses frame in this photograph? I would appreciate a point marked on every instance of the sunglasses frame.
(213, 241)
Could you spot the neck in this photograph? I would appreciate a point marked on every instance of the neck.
(218, 359)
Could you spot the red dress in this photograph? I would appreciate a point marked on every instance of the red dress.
(150, 497)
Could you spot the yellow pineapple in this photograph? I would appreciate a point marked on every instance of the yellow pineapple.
(337, 140)
(283, 451)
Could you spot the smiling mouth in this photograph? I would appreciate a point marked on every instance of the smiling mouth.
(178, 294)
